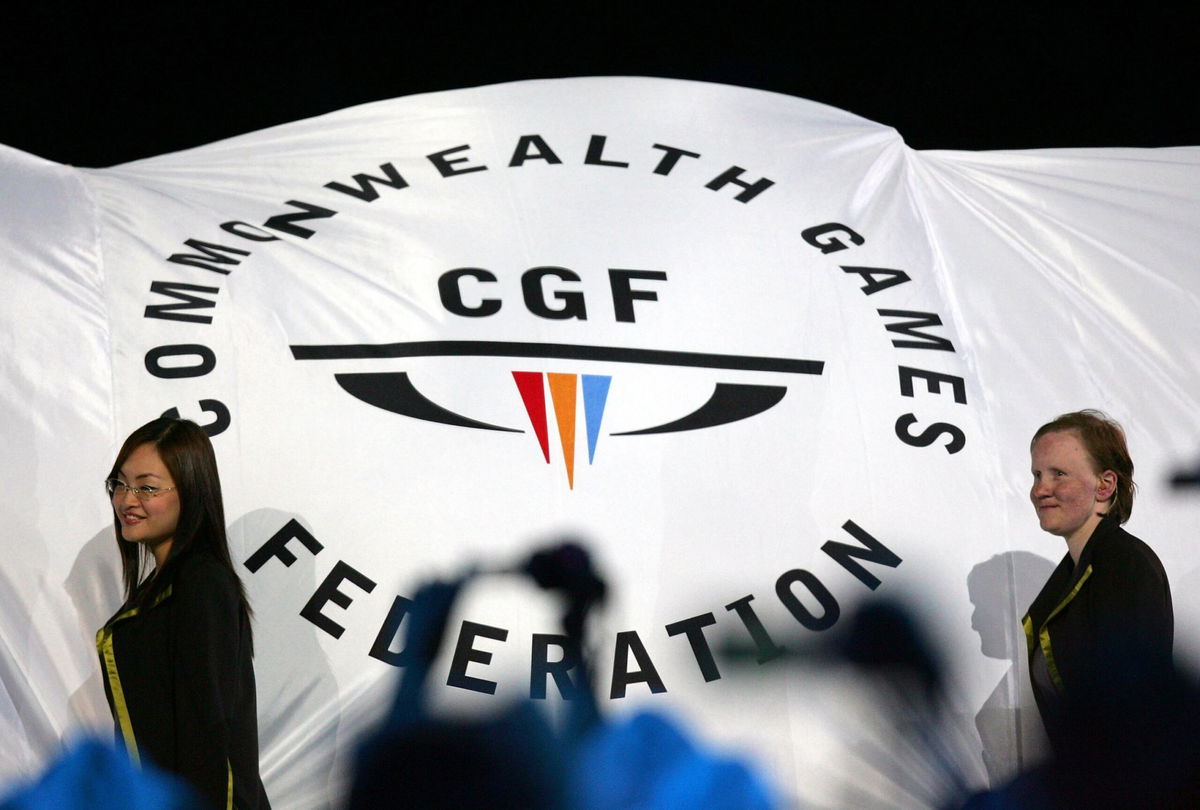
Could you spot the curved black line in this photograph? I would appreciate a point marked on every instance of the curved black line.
(729, 403)
(394, 391)
(555, 351)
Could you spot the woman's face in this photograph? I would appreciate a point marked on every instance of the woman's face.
(1067, 492)
(151, 521)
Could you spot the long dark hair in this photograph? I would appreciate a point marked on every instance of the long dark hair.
(189, 457)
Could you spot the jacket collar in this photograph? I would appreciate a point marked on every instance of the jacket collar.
(1066, 576)
(1104, 531)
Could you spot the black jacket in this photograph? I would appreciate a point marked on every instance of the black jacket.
(1115, 601)
(180, 682)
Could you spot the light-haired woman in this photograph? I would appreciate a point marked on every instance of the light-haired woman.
(1109, 597)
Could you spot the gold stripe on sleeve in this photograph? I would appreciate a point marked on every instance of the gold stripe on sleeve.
(1044, 635)
(104, 645)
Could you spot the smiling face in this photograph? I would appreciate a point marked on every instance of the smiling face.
(1068, 493)
(154, 520)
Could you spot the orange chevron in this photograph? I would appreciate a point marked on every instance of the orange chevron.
(562, 394)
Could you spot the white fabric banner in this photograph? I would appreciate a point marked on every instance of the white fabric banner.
(708, 329)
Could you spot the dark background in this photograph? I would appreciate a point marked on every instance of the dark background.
(101, 86)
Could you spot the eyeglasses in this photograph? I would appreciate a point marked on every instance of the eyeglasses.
(116, 486)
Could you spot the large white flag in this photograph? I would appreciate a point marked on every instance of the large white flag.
(763, 357)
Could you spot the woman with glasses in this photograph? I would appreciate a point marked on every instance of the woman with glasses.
(176, 657)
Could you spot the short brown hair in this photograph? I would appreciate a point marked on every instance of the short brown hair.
(1104, 440)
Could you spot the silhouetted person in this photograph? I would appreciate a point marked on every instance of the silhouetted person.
(1009, 729)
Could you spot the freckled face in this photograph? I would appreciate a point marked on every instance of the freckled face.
(152, 521)
(1067, 492)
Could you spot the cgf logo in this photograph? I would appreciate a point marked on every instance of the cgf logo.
(395, 392)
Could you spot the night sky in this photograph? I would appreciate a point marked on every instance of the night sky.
(100, 87)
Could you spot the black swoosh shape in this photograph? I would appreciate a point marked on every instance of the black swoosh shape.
(555, 351)
(729, 403)
(394, 391)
